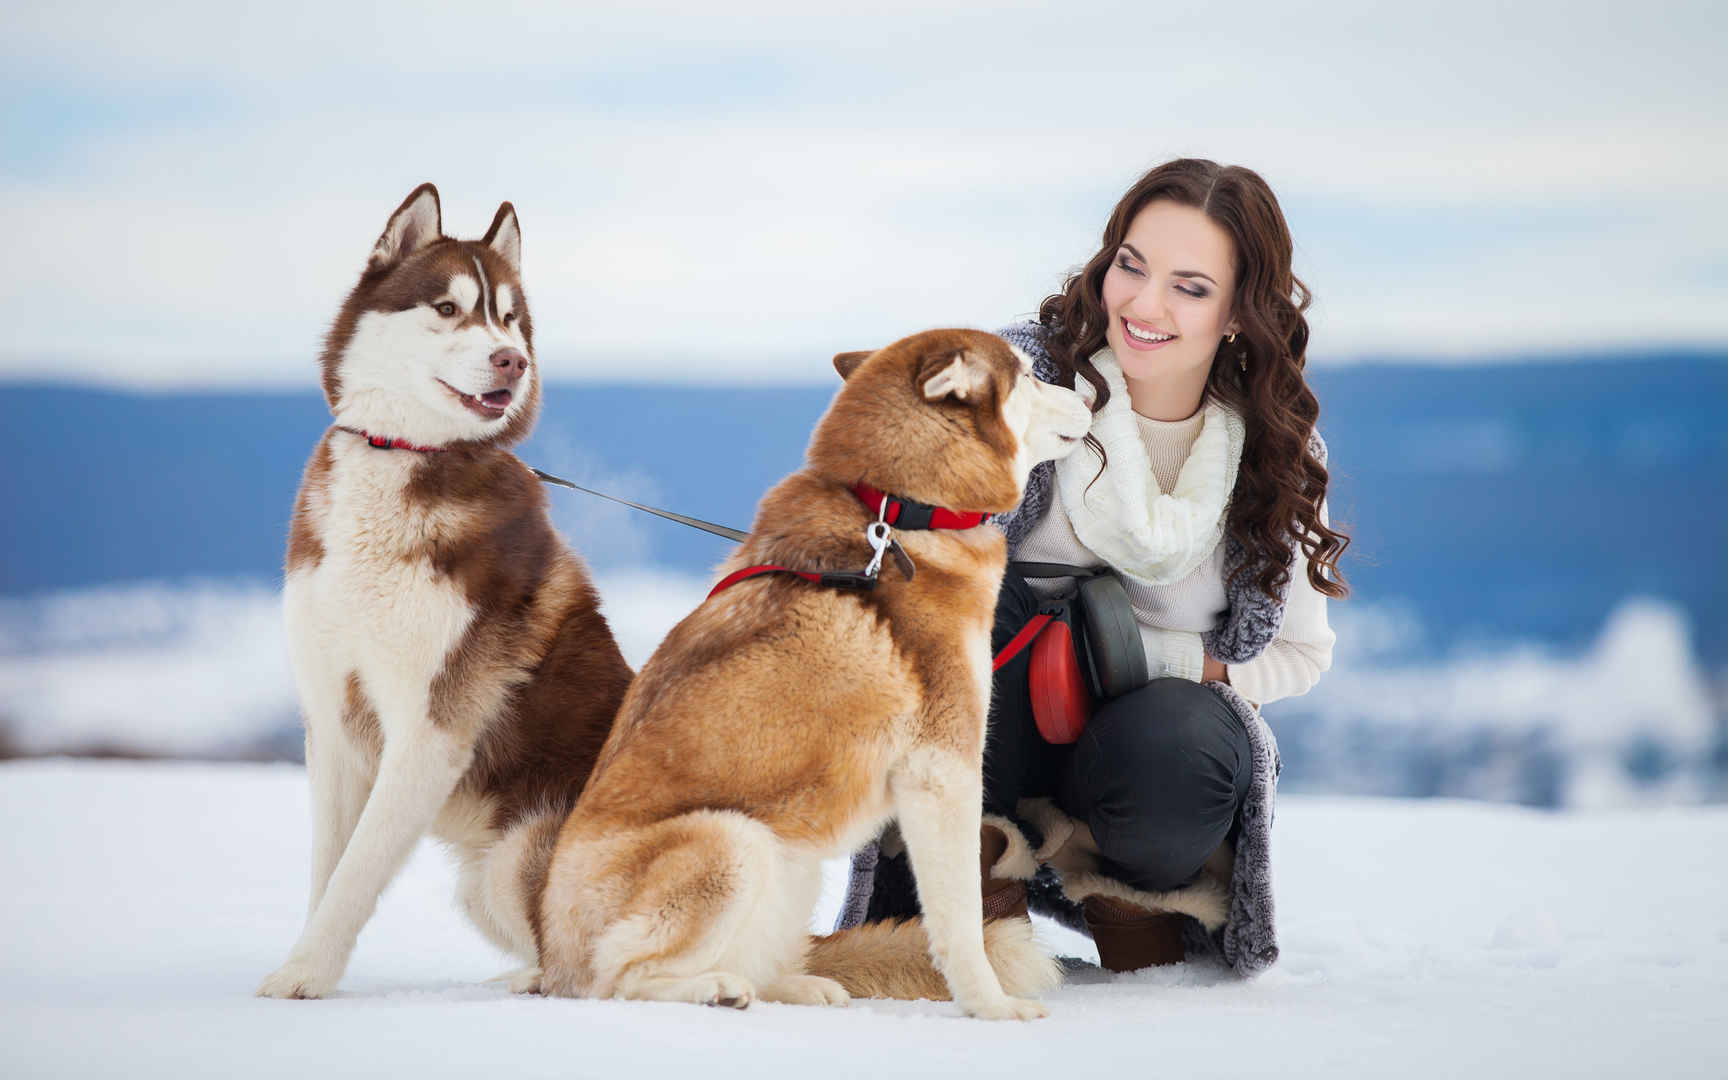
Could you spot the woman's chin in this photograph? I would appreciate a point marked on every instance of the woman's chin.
(1156, 365)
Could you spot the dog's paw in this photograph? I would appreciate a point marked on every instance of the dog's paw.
(806, 990)
(300, 978)
(708, 988)
(724, 989)
(1006, 1008)
(523, 980)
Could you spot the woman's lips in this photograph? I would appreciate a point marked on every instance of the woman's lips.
(1140, 345)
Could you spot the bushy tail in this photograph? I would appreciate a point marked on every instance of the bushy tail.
(892, 960)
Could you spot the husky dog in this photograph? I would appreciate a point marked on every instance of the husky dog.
(785, 721)
(455, 673)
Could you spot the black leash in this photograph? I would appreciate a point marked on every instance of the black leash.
(694, 523)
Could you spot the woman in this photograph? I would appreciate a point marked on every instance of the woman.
(1205, 494)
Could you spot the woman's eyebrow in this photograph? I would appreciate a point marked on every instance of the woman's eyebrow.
(1134, 251)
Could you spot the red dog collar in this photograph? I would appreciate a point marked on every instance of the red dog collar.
(904, 513)
(891, 511)
(385, 442)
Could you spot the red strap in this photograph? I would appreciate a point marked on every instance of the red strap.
(1034, 626)
(914, 515)
(751, 571)
(956, 519)
(386, 442)
(940, 517)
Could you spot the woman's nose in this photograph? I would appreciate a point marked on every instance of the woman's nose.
(1147, 305)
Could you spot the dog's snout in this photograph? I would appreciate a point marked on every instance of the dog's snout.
(510, 362)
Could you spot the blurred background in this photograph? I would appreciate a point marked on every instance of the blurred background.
(1511, 217)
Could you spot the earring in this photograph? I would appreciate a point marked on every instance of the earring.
(1242, 355)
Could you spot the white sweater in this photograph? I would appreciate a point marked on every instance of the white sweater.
(1172, 617)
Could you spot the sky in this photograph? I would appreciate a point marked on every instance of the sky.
(734, 193)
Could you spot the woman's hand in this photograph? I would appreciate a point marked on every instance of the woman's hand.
(1214, 671)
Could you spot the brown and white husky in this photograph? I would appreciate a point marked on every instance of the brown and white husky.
(785, 721)
(455, 672)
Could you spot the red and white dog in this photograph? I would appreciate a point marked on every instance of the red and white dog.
(455, 673)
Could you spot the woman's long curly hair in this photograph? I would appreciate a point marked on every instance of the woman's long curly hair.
(1281, 482)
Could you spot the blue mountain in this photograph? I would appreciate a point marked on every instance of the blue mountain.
(1512, 501)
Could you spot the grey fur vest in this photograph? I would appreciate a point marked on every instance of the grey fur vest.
(1238, 931)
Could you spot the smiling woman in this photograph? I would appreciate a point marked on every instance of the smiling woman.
(1167, 311)
(1204, 496)
(1217, 316)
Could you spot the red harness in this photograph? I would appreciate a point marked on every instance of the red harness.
(386, 442)
(891, 511)
(1052, 656)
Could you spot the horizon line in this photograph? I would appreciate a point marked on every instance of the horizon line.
(821, 374)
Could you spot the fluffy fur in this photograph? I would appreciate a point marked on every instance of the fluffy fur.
(1069, 848)
(454, 670)
(891, 959)
(783, 722)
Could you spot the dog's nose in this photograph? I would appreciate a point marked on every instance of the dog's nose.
(510, 362)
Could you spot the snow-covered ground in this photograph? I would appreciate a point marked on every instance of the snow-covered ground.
(143, 902)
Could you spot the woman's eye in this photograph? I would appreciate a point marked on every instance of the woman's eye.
(445, 309)
(1192, 290)
(1122, 263)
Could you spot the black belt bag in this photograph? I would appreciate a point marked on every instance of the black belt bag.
(1086, 649)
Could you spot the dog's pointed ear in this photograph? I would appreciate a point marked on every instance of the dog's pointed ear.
(416, 223)
(847, 362)
(958, 375)
(505, 236)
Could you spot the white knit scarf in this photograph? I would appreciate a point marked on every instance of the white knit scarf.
(1126, 518)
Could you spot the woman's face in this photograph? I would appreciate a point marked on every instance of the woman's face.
(1168, 294)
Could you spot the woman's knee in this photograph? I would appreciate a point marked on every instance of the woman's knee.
(1171, 729)
(1158, 775)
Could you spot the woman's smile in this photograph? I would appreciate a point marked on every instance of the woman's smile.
(1143, 338)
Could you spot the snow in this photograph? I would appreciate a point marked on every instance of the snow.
(145, 901)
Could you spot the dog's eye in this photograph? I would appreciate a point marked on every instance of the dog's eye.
(509, 317)
(446, 308)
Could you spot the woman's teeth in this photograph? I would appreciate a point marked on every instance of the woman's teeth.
(1151, 337)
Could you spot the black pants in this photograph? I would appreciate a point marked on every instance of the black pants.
(1158, 774)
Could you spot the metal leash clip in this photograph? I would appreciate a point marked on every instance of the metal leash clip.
(882, 542)
(880, 535)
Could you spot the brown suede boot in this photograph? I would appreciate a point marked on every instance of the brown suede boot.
(1004, 898)
(1129, 937)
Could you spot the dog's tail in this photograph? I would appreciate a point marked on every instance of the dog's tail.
(892, 960)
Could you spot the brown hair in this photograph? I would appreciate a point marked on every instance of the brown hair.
(1281, 483)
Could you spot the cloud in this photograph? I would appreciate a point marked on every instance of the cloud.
(200, 669)
(738, 194)
(606, 534)
(1632, 719)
